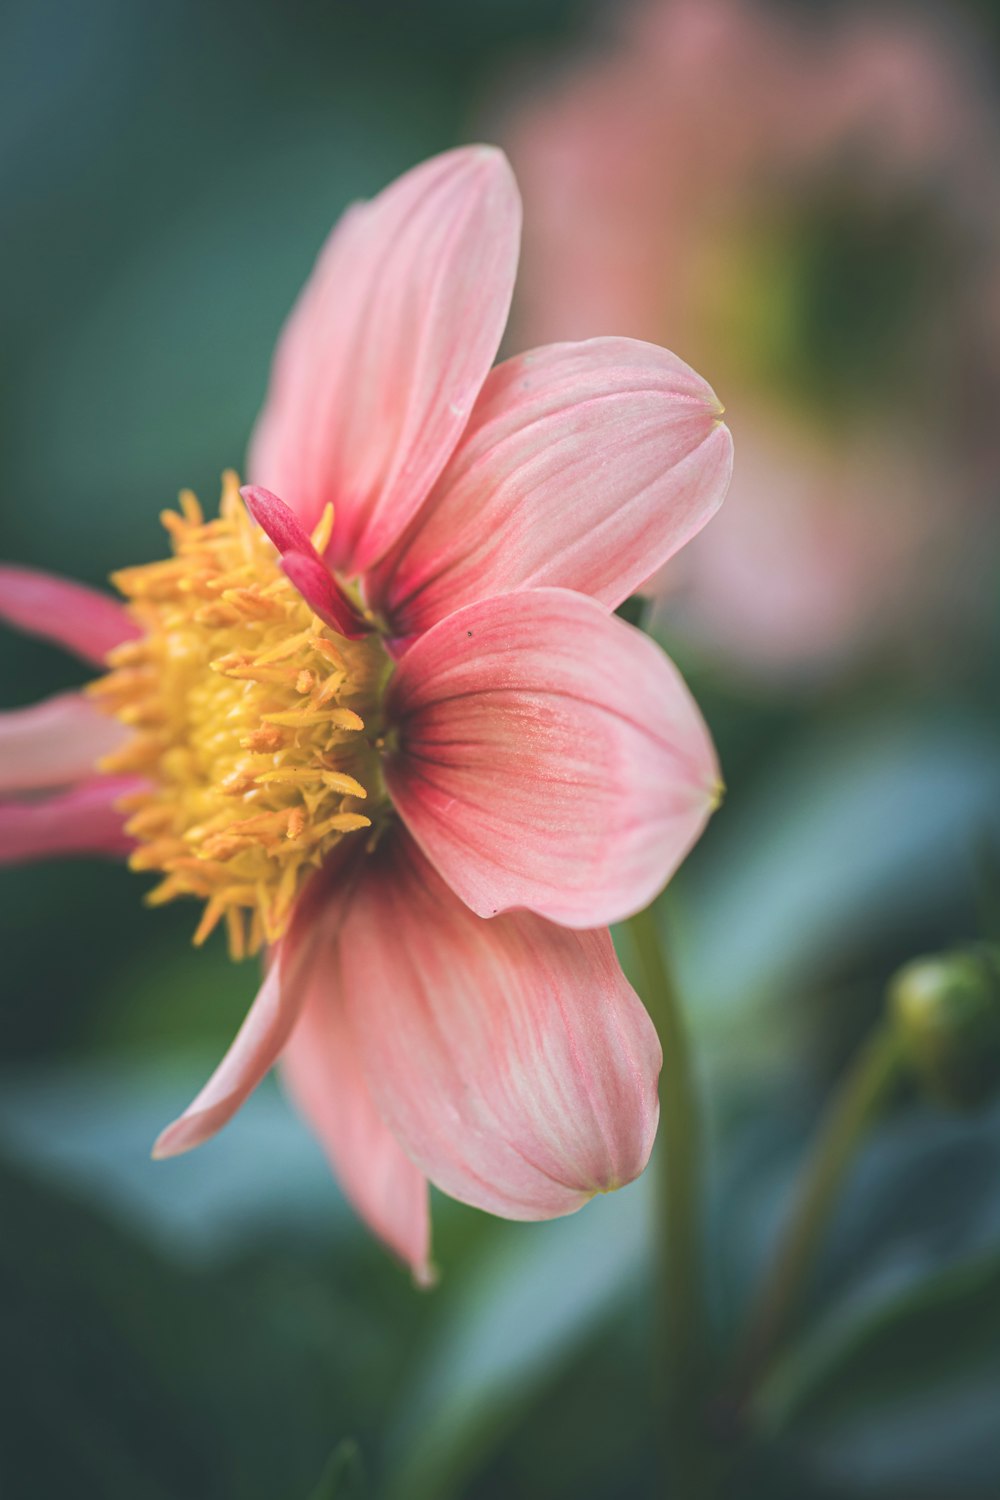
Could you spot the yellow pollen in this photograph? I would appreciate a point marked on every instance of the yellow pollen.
(252, 722)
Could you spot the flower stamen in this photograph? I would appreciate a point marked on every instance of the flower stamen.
(248, 717)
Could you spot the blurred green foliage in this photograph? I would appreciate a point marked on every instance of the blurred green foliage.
(219, 1326)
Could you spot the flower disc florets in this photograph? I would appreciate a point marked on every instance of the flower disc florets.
(255, 724)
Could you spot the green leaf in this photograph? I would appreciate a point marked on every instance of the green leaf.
(511, 1322)
(132, 1378)
(904, 1397)
(858, 828)
(917, 1200)
(90, 1127)
(344, 1476)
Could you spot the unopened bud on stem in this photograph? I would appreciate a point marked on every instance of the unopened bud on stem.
(947, 1011)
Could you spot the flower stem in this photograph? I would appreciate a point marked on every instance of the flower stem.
(682, 1344)
(853, 1107)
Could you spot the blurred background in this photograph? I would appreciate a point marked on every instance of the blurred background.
(803, 200)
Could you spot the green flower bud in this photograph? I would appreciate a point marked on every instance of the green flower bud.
(947, 1011)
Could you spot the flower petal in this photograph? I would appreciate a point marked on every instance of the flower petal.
(301, 562)
(54, 743)
(253, 1053)
(584, 466)
(550, 758)
(81, 619)
(83, 820)
(511, 1058)
(324, 1075)
(387, 348)
(257, 1045)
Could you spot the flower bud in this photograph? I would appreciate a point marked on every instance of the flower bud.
(947, 1010)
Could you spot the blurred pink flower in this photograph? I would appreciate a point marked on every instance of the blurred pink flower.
(407, 743)
(808, 208)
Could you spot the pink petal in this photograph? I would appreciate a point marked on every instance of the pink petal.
(551, 758)
(81, 821)
(584, 466)
(254, 1052)
(302, 563)
(258, 1043)
(312, 578)
(387, 348)
(324, 1075)
(54, 743)
(511, 1058)
(82, 620)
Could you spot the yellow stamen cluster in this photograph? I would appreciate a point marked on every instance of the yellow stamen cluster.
(251, 720)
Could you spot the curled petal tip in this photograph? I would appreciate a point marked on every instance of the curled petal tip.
(256, 1047)
(257, 495)
(301, 563)
(170, 1142)
(193, 1128)
(275, 517)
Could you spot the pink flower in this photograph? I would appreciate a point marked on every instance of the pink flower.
(389, 725)
(793, 199)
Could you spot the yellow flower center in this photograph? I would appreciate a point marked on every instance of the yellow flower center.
(254, 723)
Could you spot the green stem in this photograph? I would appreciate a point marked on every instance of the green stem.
(682, 1344)
(856, 1102)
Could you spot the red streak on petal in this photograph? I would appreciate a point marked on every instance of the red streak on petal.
(277, 519)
